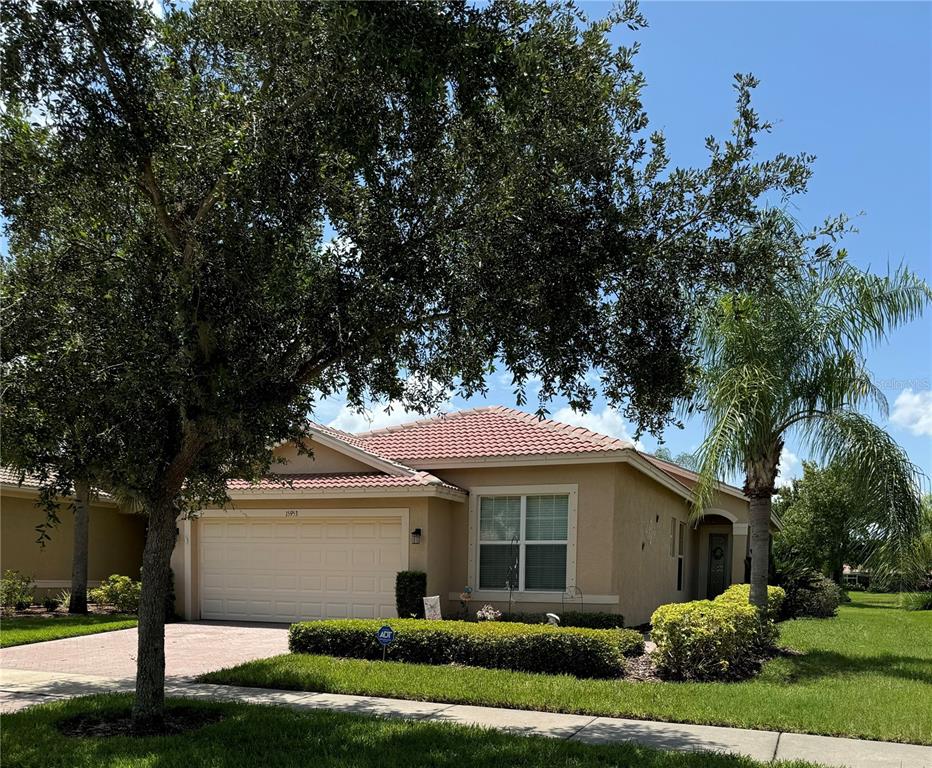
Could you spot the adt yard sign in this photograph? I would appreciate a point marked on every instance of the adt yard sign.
(385, 635)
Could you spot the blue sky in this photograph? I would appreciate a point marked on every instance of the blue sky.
(850, 82)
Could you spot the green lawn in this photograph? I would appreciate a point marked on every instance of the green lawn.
(275, 736)
(866, 673)
(37, 629)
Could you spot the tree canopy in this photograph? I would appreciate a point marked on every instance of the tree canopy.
(827, 523)
(218, 217)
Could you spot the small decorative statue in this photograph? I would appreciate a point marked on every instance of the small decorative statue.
(553, 619)
(465, 597)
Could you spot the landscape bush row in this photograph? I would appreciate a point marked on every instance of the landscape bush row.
(581, 652)
(120, 593)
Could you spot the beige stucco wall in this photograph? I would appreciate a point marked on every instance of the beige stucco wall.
(623, 537)
(595, 521)
(644, 572)
(115, 542)
(322, 460)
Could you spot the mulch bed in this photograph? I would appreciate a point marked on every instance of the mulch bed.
(640, 669)
(176, 720)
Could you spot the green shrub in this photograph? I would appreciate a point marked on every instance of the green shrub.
(120, 592)
(51, 603)
(810, 594)
(741, 593)
(16, 590)
(490, 644)
(410, 591)
(705, 640)
(630, 641)
(917, 601)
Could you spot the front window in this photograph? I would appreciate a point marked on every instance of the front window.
(523, 542)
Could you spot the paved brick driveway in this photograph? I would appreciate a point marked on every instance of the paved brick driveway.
(191, 648)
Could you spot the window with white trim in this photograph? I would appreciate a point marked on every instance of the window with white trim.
(523, 542)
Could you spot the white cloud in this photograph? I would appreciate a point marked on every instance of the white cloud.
(913, 410)
(350, 420)
(607, 422)
(790, 465)
(378, 415)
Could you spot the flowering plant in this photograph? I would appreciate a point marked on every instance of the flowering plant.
(488, 613)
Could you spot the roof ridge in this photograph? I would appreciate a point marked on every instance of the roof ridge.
(569, 429)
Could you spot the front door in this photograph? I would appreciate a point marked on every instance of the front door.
(718, 564)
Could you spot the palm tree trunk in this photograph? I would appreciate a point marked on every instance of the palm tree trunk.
(82, 501)
(760, 549)
(759, 488)
(150, 660)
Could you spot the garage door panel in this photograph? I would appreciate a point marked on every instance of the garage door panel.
(337, 531)
(338, 558)
(285, 570)
(364, 584)
(310, 530)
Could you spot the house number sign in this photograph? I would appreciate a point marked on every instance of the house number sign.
(291, 513)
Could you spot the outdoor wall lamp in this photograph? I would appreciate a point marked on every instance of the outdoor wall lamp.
(416, 536)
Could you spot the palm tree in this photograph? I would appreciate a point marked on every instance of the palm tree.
(791, 360)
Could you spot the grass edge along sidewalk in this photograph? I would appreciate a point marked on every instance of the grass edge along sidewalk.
(273, 736)
(871, 646)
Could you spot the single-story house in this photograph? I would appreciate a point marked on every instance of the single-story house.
(538, 515)
(529, 514)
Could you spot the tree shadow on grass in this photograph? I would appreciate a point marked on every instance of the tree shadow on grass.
(276, 737)
(814, 665)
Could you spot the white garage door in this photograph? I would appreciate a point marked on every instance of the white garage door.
(273, 569)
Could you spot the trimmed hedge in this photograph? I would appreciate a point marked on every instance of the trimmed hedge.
(741, 594)
(410, 591)
(705, 640)
(587, 619)
(490, 644)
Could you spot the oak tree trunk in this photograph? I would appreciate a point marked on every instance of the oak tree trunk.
(82, 501)
(150, 660)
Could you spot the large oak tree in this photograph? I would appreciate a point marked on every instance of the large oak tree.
(218, 217)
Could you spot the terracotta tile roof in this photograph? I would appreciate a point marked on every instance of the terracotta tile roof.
(339, 480)
(682, 475)
(11, 477)
(339, 434)
(485, 432)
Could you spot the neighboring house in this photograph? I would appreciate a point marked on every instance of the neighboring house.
(486, 498)
(114, 546)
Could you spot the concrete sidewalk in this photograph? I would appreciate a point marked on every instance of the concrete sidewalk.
(22, 688)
